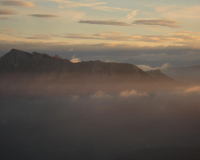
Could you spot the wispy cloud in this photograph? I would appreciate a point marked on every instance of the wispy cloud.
(132, 15)
(9, 30)
(70, 4)
(188, 90)
(107, 22)
(118, 36)
(158, 22)
(106, 8)
(72, 15)
(17, 3)
(178, 11)
(195, 89)
(97, 6)
(39, 37)
(80, 36)
(4, 18)
(43, 15)
(4, 12)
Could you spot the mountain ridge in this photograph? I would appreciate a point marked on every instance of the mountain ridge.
(40, 74)
(17, 60)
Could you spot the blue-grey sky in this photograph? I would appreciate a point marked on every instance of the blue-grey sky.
(111, 25)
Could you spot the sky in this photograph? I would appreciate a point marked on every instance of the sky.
(112, 30)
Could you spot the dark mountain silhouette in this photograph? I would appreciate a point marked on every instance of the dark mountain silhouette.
(17, 60)
(21, 61)
(41, 73)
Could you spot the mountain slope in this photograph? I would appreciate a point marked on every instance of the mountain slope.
(159, 76)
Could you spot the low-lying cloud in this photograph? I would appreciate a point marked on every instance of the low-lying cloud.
(99, 95)
(133, 93)
(101, 128)
(148, 68)
(195, 89)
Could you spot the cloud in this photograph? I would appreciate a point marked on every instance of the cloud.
(148, 68)
(80, 36)
(186, 91)
(176, 56)
(100, 94)
(178, 11)
(108, 22)
(158, 22)
(72, 15)
(118, 36)
(17, 3)
(195, 89)
(75, 60)
(97, 6)
(132, 93)
(9, 30)
(70, 4)
(131, 15)
(39, 37)
(2, 12)
(4, 18)
(110, 9)
(43, 15)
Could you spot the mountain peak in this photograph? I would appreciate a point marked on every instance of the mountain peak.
(158, 75)
(57, 57)
(157, 71)
(14, 50)
(17, 60)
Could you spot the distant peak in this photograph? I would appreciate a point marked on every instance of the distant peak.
(158, 71)
(155, 71)
(57, 57)
(14, 50)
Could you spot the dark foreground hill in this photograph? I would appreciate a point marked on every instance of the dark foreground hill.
(40, 73)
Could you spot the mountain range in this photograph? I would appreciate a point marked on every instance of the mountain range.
(22, 69)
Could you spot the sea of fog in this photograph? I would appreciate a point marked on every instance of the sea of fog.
(98, 126)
